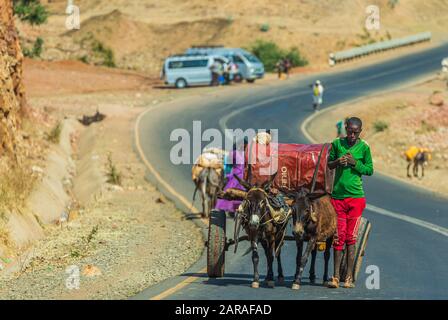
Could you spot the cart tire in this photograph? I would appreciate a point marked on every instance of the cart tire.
(216, 245)
(360, 247)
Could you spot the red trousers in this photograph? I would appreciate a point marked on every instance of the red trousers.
(349, 213)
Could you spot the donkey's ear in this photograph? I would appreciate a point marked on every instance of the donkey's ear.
(267, 184)
(245, 184)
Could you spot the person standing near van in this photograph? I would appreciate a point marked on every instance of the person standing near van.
(279, 66)
(215, 69)
(287, 66)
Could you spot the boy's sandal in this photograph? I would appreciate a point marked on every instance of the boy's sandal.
(333, 283)
(348, 283)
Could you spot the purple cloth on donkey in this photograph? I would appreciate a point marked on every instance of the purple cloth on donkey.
(238, 170)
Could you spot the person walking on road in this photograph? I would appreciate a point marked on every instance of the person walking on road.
(286, 67)
(318, 92)
(351, 157)
(280, 68)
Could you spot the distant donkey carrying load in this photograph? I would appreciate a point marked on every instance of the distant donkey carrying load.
(207, 175)
(418, 157)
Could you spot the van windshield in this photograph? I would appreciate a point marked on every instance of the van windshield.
(251, 58)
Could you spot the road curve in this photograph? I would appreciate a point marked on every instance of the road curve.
(412, 258)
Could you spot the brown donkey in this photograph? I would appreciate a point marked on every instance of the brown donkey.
(262, 224)
(314, 220)
(209, 182)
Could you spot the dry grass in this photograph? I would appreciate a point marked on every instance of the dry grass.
(16, 184)
(55, 134)
(113, 175)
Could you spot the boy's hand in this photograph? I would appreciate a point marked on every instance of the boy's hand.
(342, 161)
(349, 159)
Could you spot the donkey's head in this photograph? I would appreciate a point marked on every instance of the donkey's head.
(255, 204)
(305, 217)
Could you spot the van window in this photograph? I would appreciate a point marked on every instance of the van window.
(251, 58)
(188, 64)
(237, 59)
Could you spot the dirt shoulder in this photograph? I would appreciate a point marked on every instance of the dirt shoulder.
(122, 238)
(392, 123)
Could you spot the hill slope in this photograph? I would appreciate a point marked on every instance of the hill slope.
(142, 32)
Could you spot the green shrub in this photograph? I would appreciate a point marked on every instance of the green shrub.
(113, 176)
(30, 11)
(84, 59)
(392, 3)
(36, 50)
(270, 53)
(380, 126)
(55, 134)
(106, 54)
(37, 47)
(296, 59)
(264, 27)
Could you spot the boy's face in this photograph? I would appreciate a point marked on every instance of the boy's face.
(353, 132)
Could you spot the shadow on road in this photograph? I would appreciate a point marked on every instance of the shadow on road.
(234, 279)
(192, 216)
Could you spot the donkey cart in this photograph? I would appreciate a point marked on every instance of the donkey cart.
(302, 178)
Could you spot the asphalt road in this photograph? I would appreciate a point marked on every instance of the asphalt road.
(412, 258)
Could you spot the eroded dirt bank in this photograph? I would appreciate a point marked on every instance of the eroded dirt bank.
(121, 237)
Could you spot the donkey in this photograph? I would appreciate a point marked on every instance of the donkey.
(314, 220)
(255, 215)
(421, 159)
(209, 182)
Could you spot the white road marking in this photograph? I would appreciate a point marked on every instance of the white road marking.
(421, 223)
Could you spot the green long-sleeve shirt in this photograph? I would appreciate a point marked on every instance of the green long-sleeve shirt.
(348, 180)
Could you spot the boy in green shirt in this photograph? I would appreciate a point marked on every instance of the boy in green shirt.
(351, 158)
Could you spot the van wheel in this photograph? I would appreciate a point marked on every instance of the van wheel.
(181, 83)
(250, 80)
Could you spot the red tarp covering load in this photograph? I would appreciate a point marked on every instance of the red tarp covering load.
(295, 164)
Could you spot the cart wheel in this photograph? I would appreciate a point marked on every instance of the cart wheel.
(360, 247)
(216, 244)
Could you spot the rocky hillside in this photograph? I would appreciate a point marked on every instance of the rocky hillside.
(22, 144)
(139, 34)
(12, 97)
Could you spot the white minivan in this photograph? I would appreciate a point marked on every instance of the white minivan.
(249, 66)
(187, 70)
